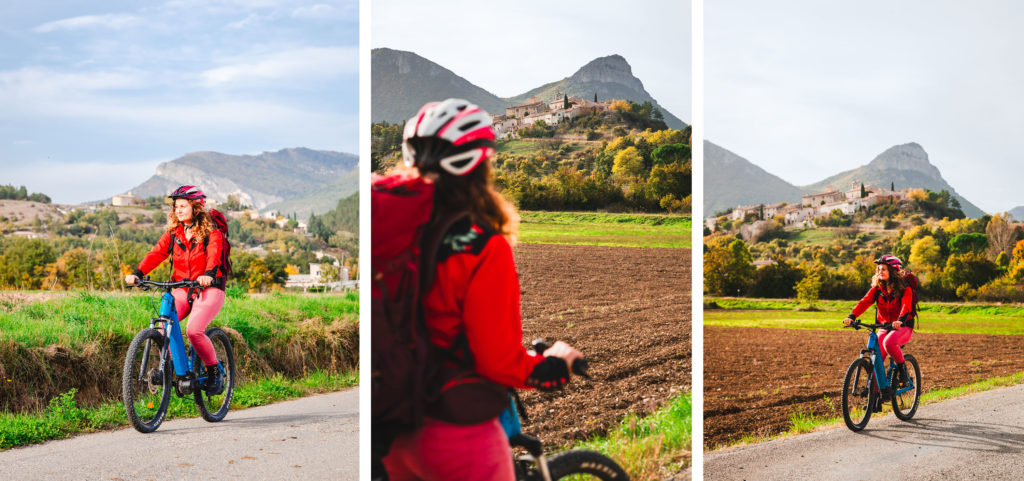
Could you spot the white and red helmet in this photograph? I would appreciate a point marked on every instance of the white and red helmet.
(454, 135)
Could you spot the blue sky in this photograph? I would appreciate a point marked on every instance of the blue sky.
(508, 48)
(96, 94)
(807, 89)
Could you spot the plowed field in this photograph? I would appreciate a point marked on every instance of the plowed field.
(755, 378)
(628, 310)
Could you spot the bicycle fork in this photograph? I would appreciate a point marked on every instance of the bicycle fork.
(535, 448)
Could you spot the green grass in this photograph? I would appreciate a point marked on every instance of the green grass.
(63, 418)
(604, 229)
(75, 319)
(934, 317)
(518, 147)
(824, 236)
(801, 422)
(652, 447)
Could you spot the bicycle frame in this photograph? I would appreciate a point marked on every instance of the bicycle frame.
(180, 358)
(881, 374)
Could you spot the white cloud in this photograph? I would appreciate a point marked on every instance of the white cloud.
(248, 21)
(305, 63)
(114, 21)
(320, 10)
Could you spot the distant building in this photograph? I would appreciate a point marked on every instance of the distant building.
(531, 107)
(124, 200)
(830, 195)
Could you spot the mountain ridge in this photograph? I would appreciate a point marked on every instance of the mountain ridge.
(398, 94)
(905, 165)
(299, 179)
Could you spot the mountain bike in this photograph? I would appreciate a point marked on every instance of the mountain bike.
(868, 384)
(158, 359)
(536, 466)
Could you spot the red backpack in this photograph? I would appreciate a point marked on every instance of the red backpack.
(914, 284)
(221, 223)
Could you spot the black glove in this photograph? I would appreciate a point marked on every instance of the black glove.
(550, 375)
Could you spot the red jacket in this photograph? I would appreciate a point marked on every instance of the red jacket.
(476, 292)
(189, 258)
(890, 307)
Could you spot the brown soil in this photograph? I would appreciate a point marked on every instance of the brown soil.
(628, 310)
(755, 379)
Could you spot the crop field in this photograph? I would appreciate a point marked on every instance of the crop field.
(768, 368)
(628, 310)
(604, 229)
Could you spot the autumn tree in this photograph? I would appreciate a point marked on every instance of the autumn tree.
(628, 164)
(728, 267)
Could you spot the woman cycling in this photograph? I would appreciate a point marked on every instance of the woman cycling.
(472, 308)
(194, 244)
(891, 290)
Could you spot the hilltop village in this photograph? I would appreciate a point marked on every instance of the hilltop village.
(561, 108)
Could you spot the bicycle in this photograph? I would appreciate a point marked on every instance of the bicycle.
(148, 376)
(867, 380)
(536, 466)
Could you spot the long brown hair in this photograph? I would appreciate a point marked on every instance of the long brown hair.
(475, 193)
(202, 224)
(896, 284)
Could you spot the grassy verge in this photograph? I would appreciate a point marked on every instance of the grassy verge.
(653, 447)
(604, 229)
(964, 318)
(801, 422)
(75, 319)
(64, 418)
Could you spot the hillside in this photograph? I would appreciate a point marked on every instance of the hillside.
(1017, 213)
(904, 166)
(403, 81)
(609, 77)
(291, 180)
(731, 180)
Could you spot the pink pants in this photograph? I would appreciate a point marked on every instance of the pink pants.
(441, 451)
(890, 342)
(203, 309)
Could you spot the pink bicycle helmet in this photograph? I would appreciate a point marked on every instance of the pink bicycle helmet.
(189, 192)
(891, 261)
(454, 135)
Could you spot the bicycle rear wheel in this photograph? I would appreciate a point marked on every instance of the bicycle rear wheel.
(905, 404)
(585, 465)
(213, 407)
(145, 389)
(858, 397)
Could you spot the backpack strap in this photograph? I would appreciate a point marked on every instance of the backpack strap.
(433, 234)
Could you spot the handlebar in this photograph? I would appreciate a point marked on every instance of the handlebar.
(861, 325)
(145, 284)
(579, 366)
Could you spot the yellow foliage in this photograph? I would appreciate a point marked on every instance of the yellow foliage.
(619, 143)
(621, 106)
(628, 163)
(918, 194)
(663, 137)
(291, 270)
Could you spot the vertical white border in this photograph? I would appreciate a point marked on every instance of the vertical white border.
(697, 247)
(364, 238)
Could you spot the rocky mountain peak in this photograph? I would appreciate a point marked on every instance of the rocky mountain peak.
(610, 69)
(910, 156)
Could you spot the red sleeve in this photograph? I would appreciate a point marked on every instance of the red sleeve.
(160, 252)
(213, 248)
(908, 302)
(492, 319)
(864, 303)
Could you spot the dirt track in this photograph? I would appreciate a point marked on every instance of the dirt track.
(628, 310)
(755, 379)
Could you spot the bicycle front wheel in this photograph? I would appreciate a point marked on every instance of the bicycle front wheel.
(584, 465)
(214, 406)
(904, 404)
(145, 388)
(858, 395)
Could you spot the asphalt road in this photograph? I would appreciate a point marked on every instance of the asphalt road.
(310, 438)
(976, 437)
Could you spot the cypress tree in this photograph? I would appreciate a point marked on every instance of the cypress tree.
(565, 101)
(863, 193)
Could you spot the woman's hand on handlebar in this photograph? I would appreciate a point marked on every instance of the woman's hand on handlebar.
(204, 281)
(848, 321)
(565, 352)
(131, 279)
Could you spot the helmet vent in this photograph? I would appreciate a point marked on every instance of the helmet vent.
(470, 125)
